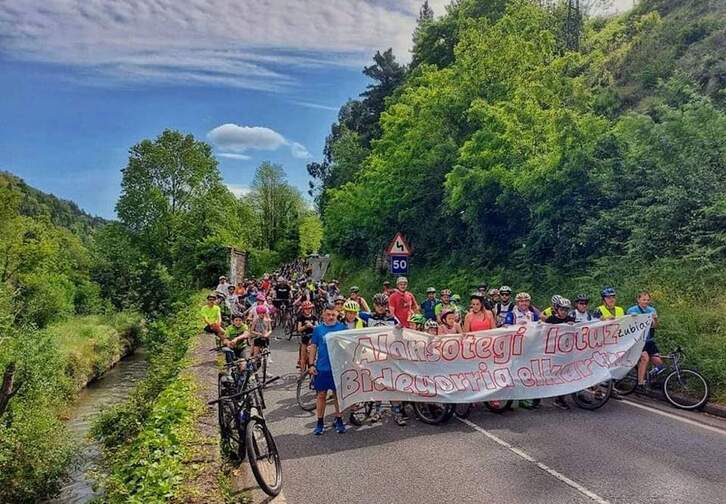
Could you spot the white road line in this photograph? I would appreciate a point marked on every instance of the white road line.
(567, 481)
(675, 417)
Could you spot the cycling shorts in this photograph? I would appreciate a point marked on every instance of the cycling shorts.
(212, 329)
(651, 348)
(261, 342)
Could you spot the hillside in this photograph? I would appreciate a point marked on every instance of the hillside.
(62, 213)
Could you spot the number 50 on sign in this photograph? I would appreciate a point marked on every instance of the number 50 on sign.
(399, 265)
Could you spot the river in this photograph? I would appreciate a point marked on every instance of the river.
(113, 388)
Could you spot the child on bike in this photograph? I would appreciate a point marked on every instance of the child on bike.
(212, 316)
(304, 325)
(236, 336)
(260, 330)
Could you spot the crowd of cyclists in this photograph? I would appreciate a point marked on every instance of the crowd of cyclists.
(244, 315)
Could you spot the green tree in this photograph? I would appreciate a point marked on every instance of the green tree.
(311, 234)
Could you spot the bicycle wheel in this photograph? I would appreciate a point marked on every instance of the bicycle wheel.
(593, 397)
(463, 410)
(263, 457)
(498, 406)
(360, 412)
(627, 384)
(433, 413)
(306, 392)
(686, 389)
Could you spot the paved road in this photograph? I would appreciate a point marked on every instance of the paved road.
(620, 454)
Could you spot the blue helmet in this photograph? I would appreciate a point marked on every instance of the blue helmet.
(607, 291)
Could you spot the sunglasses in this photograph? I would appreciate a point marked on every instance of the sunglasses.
(339, 303)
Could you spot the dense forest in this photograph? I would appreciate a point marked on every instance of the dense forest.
(532, 145)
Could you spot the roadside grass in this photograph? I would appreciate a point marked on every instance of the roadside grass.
(150, 440)
(690, 297)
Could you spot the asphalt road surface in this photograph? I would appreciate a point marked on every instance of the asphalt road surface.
(622, 453)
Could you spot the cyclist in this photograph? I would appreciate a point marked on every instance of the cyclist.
(231, 298)
(350, 312)
(260, 300)
(265, 284)
(608, 310)
(260, 329)
(387, 288)
(448, 324)
(431, 327)
(428, 306)
(417, 321)
(306, 321)
(561, 315)
(493, 296)
(445, 304)
(401, 303)
(281, 301)
(505, 304)
(650, 350)
(550, 310)
(483, 289)
(479, 318)
(319, 367)
(236, 336)
(380, 316)
(355, 296)
(212, 316)
(581, 313)
(333, 292)
(240, 289)
(339, 304)
(523, 313)
(222, 286)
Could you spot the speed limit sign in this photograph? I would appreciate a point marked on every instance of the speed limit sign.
(399, 265)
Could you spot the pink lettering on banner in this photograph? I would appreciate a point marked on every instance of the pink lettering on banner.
(349, 383)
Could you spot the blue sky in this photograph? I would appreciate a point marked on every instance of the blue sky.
(83, 80)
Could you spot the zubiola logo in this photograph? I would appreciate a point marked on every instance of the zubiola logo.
(518, 362)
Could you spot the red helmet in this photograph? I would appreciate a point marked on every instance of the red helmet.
(307, 305)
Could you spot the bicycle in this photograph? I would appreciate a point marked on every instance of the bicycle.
(684, 388)
(306, 392)
(463, 410)
(243, 431)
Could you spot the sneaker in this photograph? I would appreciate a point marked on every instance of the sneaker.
(560, 403)
(339, 426)
(319, 429)
(398, 418)
(530, 404)
(640, 389)
(404, 414)
(375, 417)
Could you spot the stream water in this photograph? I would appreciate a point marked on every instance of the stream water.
(114, 387)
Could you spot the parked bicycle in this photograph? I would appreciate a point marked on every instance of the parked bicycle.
(243, 431)
(684, 388)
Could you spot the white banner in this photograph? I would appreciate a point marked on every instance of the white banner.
(518, 362)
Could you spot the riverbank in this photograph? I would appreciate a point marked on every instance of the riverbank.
(690, 297)
(52, 367)
(154, 450)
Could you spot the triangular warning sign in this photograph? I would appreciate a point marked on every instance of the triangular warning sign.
(399, 246)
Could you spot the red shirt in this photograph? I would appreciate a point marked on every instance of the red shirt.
(402, 303)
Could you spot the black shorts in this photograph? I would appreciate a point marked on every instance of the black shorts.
(261, 342)
(305, 338)
(208, 329)
(651, 348)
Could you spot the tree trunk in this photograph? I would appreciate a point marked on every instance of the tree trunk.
(8, 390)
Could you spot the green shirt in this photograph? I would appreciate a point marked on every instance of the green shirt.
(211, 314)
(233, 331)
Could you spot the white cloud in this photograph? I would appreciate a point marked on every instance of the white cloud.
(232, 155)
(238, 190)
(233, 140)
(231, 43)
(299, 151)
(315, 105)
(240, 138)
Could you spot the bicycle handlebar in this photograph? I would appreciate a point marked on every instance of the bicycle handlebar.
(243, 393)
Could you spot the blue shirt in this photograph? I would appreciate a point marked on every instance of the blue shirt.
(636, 310)
(323, 361)
(375, 320)
(429, 308)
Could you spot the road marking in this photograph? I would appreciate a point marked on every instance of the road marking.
(567, 481)
(675, 417)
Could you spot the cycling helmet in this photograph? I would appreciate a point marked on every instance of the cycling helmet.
(266, 276)
(556, 299)
(607, 292)
(351, 306)
(493, 292)
(212, 295)
(401, 279)
(582, 297)
(430, 290)
(331, 284)
(355, 288)
(445, 292)
(380, 299)
(564, 303)
(431, 324)
(261, 310)
(339, 298)
(281, 279)
(505, 289)
(455, 298)
(446, 312)
(260, 296)
(307, 305)
(523, 296)
(386, 283)
(417, 319)
(222, 278)
(477, 295)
